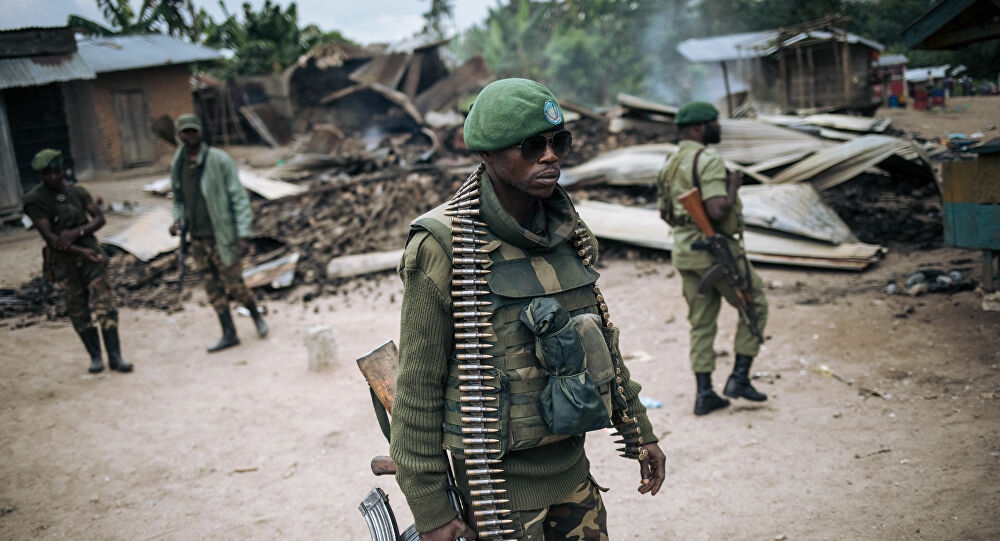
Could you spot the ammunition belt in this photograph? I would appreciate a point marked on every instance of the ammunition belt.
(480, 420)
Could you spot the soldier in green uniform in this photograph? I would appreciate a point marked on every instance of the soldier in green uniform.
(66, 216)
(209, 198)
(507, 354)
(699, 126)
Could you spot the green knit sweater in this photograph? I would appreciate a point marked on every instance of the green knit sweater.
(535, 478)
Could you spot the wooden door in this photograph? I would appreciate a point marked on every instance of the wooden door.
(134, 128)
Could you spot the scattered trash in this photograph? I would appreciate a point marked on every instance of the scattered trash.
(932, 281)
(650, 403)
(879, 452)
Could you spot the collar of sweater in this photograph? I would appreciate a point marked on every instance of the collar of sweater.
(559, 217)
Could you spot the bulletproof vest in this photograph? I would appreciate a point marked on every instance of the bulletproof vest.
(515, 277)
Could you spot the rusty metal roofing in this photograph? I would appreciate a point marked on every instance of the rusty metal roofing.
(42, 70)
(119, 53)
(754, 44)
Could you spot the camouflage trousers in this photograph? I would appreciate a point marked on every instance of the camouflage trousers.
(222, 282)
(579, 517)
(83, 299)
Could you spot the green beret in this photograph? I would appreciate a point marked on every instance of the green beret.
(696, 112)
(47, 159)
(188, 122)
(507, 111)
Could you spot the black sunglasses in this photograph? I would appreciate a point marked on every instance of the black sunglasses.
(533, 147)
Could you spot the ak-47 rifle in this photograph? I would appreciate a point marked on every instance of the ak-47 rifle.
(726, 265)
(182, 248)
(379, 368)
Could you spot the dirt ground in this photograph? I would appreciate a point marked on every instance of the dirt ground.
(882, 421)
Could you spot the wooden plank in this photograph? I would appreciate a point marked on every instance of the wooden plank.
(361, 264)
(379, 367)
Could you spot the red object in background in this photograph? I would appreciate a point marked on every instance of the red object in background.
(920, 96)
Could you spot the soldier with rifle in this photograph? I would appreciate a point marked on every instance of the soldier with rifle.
(507, 353)
(698, 197)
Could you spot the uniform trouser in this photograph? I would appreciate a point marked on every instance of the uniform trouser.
(83, 299)
(222, 282)
(581, 516)
(703, 315)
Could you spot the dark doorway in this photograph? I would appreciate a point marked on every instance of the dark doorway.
(37, 120)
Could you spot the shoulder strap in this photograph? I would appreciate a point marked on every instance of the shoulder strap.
(694, 174)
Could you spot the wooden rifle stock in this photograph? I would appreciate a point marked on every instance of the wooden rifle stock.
(383, 465)
(692, 203)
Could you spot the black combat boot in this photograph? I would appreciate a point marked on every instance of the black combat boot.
(738, 385)
(258, 320)
(229, 338)
(113, 347)
(706, 401)
(92, 341)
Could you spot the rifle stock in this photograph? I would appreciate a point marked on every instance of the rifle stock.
(379, 367)
(692, 203)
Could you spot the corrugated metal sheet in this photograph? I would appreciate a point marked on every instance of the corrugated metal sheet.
(121, 53)
(42, 70)
(752, 45)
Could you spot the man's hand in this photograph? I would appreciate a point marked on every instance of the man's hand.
(67, 237)
(450, 532)
(175, 228)
(92, 255)
(652, 469)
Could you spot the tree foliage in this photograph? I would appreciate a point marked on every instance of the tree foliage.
(172, 17)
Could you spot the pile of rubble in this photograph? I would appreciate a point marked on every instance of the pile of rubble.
(355, 188)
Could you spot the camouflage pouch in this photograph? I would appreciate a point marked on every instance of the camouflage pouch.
(571, 401)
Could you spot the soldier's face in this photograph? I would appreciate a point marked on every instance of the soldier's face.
(190, 137)
(516, 179)
(52, 178)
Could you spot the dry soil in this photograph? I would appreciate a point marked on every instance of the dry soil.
(882, 421)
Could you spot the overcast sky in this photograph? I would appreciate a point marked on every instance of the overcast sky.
(364, 21)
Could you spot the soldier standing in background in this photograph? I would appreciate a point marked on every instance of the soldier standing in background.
(215, 207)
(694, 165)
(66, 216)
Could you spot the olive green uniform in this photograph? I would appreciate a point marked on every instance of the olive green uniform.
(208, 195)
(84, 284)
(548, 477)
(703, 310)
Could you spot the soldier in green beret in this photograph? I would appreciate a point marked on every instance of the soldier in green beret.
(507, 355)
(66, 216)
(210, 199)
(695, 165)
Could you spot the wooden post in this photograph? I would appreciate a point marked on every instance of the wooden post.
(729, 95)
(847, 70)
(783, 76)
(812, 78)
(801, 75)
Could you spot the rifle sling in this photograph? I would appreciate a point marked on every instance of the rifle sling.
(380, 414)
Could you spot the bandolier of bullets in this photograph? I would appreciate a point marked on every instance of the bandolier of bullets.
(626, 427)
(480, 420)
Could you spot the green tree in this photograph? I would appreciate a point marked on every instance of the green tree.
(265, 41)
(173, 17)
(436, 18)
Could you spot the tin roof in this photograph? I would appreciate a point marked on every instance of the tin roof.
(119, 53)
(42, 70)
(754, 44)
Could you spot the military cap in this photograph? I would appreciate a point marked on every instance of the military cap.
(46, 159)
(507, 111)
(188, 121)
(696, 112)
